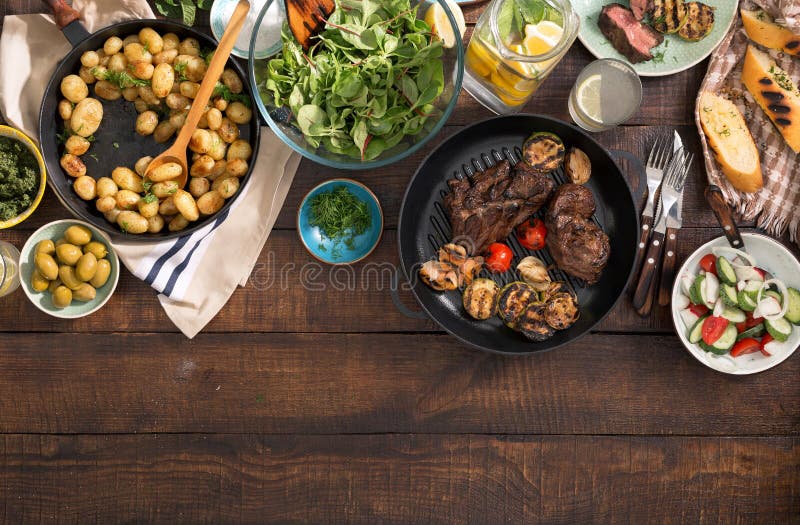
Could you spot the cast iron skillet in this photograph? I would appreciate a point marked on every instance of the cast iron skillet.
(117, 143)
(423, 227)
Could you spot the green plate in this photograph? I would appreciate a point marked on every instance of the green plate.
(673, 55)
(43, 300)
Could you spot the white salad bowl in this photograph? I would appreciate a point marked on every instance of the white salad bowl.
(773, 257)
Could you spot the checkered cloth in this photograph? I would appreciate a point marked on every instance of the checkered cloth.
(777, 205)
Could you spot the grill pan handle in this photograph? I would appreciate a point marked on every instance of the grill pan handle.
(68, 21)
(398, 303)
(636, 165)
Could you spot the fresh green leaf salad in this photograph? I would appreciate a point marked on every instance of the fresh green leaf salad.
(366, 82)
(19, 178)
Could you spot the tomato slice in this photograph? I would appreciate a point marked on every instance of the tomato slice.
(745, 346)
(751, 321)
(741, 327)
(532, 234)
(698, 309)
(499, 257)
(709, 263)
(764, 340)
(713, 327)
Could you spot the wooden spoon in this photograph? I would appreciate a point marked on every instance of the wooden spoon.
(177, 152)
(307, 18)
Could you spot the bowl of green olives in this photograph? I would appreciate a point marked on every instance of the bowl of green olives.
(68, 269)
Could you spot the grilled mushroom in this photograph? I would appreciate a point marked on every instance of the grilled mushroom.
(439, 276)
(469, 270)
(452, 253)
(578, 166)
(534, 272)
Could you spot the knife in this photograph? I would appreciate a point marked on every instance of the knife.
(68, 20)
(674, 222)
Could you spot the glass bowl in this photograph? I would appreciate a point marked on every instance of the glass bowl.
(280, 118)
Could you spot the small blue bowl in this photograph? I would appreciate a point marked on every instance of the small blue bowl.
(332, 252)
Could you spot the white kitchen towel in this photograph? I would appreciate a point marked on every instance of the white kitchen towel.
(195, 274)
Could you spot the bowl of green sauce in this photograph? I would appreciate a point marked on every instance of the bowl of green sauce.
(22, 177)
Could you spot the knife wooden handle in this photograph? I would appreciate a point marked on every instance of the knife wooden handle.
(724, 215)
(64, 13)
(644, 237)
(668, 267)
(646, 289)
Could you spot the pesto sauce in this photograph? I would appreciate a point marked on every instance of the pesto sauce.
(19, 178)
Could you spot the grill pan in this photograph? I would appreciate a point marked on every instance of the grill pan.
(117, 143)
(423, 227)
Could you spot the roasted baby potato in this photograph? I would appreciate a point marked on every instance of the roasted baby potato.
(74, 88)
(73, 165)
(77, 145)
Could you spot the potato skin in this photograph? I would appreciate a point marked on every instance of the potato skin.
(106, 187)
(202, 167)
(189, 46)
(226, 186)
(86, 117)
(178, 223)
(199, 186)
(163, 78)
(148, 207)
(85, 187)
(228, 131)
(232, 80)
(77, 145)
(210, 202)
(132, 222)
(166, 56)
(171, 41)
(107, 91)
(239, 149)
(164, 189)
(177, 101)
(146, 123)
(112, 46)
(143, 70)
(141, 165)
(155, 224)
(65, 109)
(151, 39)
(126, 179)
(73, 165)
(74, 88)
(106, 204)
(167, 207)
(186, 205)
(239, 113)
(90, 59)
(201, 141)
(127, 199)
(164, 131)
(167, 171)
(237, 168)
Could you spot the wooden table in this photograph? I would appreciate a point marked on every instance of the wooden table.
(297, 405)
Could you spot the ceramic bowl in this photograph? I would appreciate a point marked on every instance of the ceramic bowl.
(43, 300)
(775, 259)
(333, 252)
(6, 131)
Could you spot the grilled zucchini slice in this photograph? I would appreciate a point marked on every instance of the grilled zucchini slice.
(561, 311)
(543, 151)
(480, 298)
(668, 16)
(532, 324)
(513, 299)
(699, 22)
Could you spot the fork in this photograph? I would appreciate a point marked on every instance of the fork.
(659, 157)
(671, 190)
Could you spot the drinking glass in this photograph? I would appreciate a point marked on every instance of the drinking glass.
(515, 46)
(607, 93)
(9, 268)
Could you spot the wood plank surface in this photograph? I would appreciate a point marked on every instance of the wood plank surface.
(357, 383)
(399, 479)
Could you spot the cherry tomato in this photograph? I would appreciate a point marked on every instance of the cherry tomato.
(499, 257)
(713, 327)
(752, 321)
(745, 346)
(532, 234)
(709, 263)
(741, 327)
(764, 340)
(698, 309)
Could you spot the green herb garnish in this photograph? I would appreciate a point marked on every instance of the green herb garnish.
(180, 70)
(149, 197)
(115, 144)
(221, 90)
(340, 216)
(121, 79)
(19, 178)
(368, 81)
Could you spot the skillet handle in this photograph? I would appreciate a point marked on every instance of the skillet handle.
(398, 303)
(63, 13)
(638, 167)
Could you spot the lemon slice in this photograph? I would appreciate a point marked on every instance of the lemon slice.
(542, 37)
(436, 17)
(588, 97)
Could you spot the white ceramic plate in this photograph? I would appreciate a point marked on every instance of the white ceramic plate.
(774, 258)
(678, 54)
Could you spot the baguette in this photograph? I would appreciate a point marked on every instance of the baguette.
(731, 141)
(775, 92)
(761, 29)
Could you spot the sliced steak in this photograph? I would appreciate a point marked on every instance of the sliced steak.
(628, 35)
(640, 8)
(578, 245)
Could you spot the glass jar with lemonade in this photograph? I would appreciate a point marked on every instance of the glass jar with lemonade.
(515, 46)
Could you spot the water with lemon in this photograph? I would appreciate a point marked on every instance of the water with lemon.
(607, 93)
(9, 268)
(504, 74)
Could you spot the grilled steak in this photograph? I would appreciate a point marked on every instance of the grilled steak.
(498, 199)
(628, 35)
(578, 245)
(640, 8)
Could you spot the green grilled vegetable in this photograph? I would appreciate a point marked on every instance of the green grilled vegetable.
(543, 151)
(699, 22)
(668, 16)
(513, 299)
(480, 298)
(532, 323)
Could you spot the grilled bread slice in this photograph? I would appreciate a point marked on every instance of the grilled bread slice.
(668, 16)
(699, 22)
(775, 92)
(731, 141)
(761, 29)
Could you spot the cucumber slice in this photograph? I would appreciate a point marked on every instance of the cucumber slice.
(756, 331)
(793, 313)
(727, 340)
(751, 288)
(729, 295)
(746, 301)
(695, 335)
(725, 271)
(777, 295)
(733, 315)
(694, 292)
(709, 348)
(780, 329)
